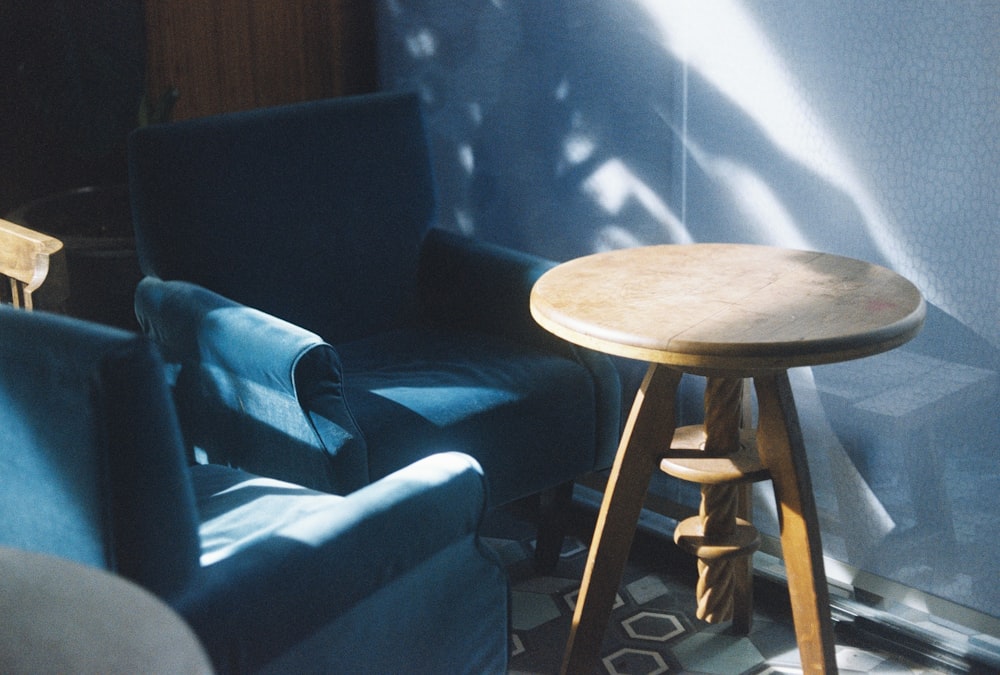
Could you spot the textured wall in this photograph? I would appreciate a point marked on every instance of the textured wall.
(528, 102)
(857, 127)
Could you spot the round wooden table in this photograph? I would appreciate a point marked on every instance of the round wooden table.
(727, 312)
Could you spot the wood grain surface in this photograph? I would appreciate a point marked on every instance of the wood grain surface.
(739, 308)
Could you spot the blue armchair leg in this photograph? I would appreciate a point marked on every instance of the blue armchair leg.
(553, 522)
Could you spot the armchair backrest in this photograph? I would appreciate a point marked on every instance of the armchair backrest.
(312, 212)
(91, 462)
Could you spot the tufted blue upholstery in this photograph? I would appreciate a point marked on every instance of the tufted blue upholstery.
(320, 217)
(271, 576)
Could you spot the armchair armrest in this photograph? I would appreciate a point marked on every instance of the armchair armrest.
(25, 259)
(254, 391)
(483, 287)
(335, 554)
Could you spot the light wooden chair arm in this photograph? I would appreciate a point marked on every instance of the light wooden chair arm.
(24, 259)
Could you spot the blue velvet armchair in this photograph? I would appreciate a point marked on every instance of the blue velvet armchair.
(322, 214)
(272, 576)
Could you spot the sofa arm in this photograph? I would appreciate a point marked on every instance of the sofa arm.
(482, 286)
(254, 391)
(297, 560)
(485, 287)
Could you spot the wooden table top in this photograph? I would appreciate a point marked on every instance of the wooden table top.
(728, 307)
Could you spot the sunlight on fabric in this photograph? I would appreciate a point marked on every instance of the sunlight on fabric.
(444, 406)
(272, 506)
(271, 407)
(613, 185)
(721, 42)
(436, 469)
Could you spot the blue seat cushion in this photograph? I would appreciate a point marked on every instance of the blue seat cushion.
(304, 576)
(523, 413)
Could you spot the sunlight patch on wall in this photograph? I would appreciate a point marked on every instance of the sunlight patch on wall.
(867, 519)
(578, 148)
(613, 238)
(467, 158)
(465, 221)
(721, 42)
(613, 185)
(475, 112)
(764, 213)
(421, 44)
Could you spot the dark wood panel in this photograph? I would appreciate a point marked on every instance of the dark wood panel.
(239, 54)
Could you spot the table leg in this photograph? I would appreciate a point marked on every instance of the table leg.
(779, 442)
(719, 580)
(743, 610)
(648, 432)
(743, 574)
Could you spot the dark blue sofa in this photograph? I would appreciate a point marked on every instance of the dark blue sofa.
(272, 576)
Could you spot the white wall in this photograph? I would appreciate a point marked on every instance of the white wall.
(857, 127)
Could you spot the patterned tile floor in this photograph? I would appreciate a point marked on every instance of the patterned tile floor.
(652, 628)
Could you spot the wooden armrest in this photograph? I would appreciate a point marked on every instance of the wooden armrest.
(24, 257)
